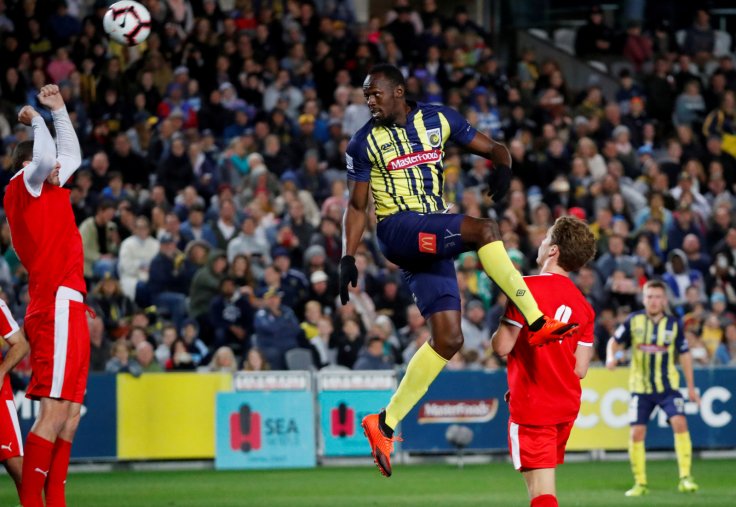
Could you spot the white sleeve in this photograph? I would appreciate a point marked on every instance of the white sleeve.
(36, 172)
(9, 325)
(68, 152)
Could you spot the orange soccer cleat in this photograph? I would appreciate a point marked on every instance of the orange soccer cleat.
(381, 445)
(552, 330)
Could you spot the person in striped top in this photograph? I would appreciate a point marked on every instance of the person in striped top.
(655, 340)
(397, 158)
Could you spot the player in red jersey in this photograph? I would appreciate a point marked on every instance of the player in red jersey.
(11, 442)
(544, 382)
(48, 243)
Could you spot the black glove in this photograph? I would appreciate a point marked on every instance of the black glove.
(499, 181)
(348, 275)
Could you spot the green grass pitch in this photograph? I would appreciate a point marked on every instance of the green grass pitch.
(581, 484)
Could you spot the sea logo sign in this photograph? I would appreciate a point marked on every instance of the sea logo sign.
(465, 411)
(245, 429)
(265, 430)
(342, 421)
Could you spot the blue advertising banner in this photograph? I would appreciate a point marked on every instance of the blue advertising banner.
(711, 424)
(341, 413)
(97, 434)
(468, 398)
(265, 430)
(345, 398)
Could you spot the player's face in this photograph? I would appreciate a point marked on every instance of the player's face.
(382, 98)
(655, 300)
(53, 177)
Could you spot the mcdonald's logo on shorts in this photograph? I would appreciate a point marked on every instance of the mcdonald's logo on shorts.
(427, 243)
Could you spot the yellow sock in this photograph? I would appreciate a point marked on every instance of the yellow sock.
(420, 373)
(638, 459)
(684, 451)
(498, 267)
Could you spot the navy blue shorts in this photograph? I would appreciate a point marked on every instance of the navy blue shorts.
(424, 246)
(641, 405)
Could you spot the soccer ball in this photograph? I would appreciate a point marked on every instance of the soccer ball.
(127, 22)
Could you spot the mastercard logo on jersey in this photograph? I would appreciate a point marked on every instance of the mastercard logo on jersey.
(465, 411)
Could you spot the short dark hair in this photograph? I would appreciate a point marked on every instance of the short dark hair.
(390, 72)
(23, 152)
(575, 241)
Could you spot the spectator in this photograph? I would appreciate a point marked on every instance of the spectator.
(121, 361)
(595, 37)
(136, 254)
(168, 283)
(113, 306)
(180, 358)
(205, 286)
(277, 329)
(475, 332)
(348, 343)
(371, 357)
(100, 240)
(223, 361)
(679, 277)
(700, 38)
(231, 316)
(100, 350)
(196, 229)
(256, 361)
(144, 355)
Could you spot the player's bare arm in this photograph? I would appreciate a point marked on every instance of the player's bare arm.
(613, 351)
(356, 216)
(17, 351)
(686, 361)
(583, 355)
(68, 151)
(499, 180)
(504, 339)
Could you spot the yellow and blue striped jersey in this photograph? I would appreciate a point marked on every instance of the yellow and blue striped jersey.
(653, 347)
(404, 164)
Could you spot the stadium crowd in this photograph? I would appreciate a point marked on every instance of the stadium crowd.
(211, 195)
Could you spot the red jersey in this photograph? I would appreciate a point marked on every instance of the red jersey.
(46, 240)
(544, 388)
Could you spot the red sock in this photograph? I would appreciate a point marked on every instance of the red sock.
(36, 465)
(544, 501)
(56, 482)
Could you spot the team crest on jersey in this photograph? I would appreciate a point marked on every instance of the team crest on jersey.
(386, 147)
(434, 137)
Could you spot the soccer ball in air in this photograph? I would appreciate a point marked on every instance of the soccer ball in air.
(127, 22)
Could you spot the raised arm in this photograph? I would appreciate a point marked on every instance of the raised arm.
(68, 152)
(43, 161)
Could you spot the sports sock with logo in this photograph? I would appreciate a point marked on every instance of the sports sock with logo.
(638, 459)
(497, 265)
(420, 373)
(544, 501)
(56, 482)
(36, 465)
(684, 451)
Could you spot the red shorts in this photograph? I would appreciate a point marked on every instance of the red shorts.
(538, 446)
(11, 442)
(59, 340)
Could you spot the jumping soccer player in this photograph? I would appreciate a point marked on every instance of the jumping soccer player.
(397, 157)
(655, 338)
(544, 382)
(11, 441)
(48, 244)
